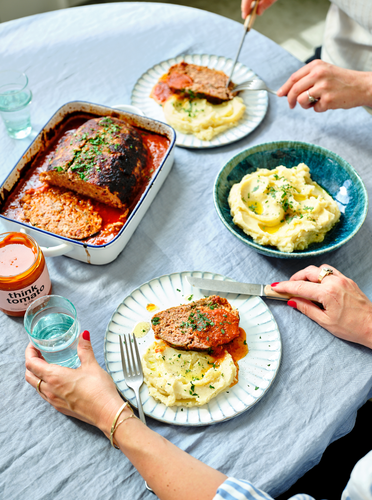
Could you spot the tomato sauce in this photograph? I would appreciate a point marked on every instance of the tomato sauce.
(237, 348)
(168, 85)
(113, 218)
(215, 325)
(161, 92)
(23, 273)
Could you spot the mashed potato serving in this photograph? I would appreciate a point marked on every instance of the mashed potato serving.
(198, 100)
(201, 118)
(283, 208)
(185, 378)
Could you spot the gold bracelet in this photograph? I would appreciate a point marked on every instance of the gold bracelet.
(116, 425)
(121, 421)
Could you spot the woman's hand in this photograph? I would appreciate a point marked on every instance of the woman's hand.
(334, 87)
(262, 6)
(347, 311)
(87, 393)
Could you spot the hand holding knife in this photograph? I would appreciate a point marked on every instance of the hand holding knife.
(248, 23)
(236, 287)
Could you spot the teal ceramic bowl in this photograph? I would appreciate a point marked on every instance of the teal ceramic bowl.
(329, 170)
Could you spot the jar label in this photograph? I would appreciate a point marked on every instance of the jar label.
(19, 300)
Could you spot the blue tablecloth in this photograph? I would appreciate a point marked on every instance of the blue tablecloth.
(96, 53)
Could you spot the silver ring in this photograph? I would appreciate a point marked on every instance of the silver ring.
(323, 273)
(311, 98)
(38, 386)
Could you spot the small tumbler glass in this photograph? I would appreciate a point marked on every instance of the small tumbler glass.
(15, 99)
(52, 326)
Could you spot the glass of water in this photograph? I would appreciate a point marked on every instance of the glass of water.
(15, 99)
(52, 326)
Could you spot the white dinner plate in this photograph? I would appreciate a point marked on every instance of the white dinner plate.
(256, 371)
(256, 101)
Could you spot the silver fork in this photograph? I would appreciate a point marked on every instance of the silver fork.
(132, 369)
(253, 85)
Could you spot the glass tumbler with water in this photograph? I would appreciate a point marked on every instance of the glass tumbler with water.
(52, 326)
(15, 99)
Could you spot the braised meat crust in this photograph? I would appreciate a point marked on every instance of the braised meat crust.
(199, 326)
(199, 81)
(104, 159)
(61, 212)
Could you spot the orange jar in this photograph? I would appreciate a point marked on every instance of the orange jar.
(24, 274)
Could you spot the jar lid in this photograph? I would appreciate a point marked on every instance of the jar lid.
(18, 254)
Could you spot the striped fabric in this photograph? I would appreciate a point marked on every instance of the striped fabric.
(236, 489)
(359, 486)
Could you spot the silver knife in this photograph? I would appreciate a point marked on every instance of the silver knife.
(248, 23)
(236, 287)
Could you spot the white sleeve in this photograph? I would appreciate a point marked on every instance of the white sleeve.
(237, 489)
(359, 486)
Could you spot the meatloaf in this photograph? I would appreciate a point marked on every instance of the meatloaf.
(104, 159)
(62, 212)
(198, 326)
(190, 80)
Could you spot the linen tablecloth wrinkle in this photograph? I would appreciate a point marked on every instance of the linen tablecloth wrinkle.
(96, 53)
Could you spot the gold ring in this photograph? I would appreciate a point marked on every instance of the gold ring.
(323, 273)
(38, 386)
(311, 98)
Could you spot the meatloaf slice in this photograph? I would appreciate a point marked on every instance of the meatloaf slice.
(62, 212)
(199, 326)
(190, 80)
(104, 159)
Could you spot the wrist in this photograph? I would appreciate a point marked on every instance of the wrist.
(368, 339)
(108, 413)
(366, 90)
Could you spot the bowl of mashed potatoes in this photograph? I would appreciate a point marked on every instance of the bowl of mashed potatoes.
(290, 199)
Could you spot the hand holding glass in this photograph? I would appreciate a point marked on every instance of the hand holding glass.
(53, 328)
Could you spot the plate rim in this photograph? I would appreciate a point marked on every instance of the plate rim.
(199, 423)
(205, 144)
(270, 251)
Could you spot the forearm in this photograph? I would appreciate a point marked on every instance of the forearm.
(366, 336)
(90, 395)
(366, 88)
(169, 471)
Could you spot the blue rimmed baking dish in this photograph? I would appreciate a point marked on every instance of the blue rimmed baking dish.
(55, 245)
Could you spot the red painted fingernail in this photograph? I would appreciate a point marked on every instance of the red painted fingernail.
(86, 335)
(292, 303)
(274, 284)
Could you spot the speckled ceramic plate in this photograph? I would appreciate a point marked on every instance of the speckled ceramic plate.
(256, 371)
(256, 101)
(328, 169)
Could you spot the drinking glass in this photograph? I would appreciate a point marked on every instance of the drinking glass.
(15, 99)
(52, 326)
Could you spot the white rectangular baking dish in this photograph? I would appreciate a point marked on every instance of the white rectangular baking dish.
(54, 245)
